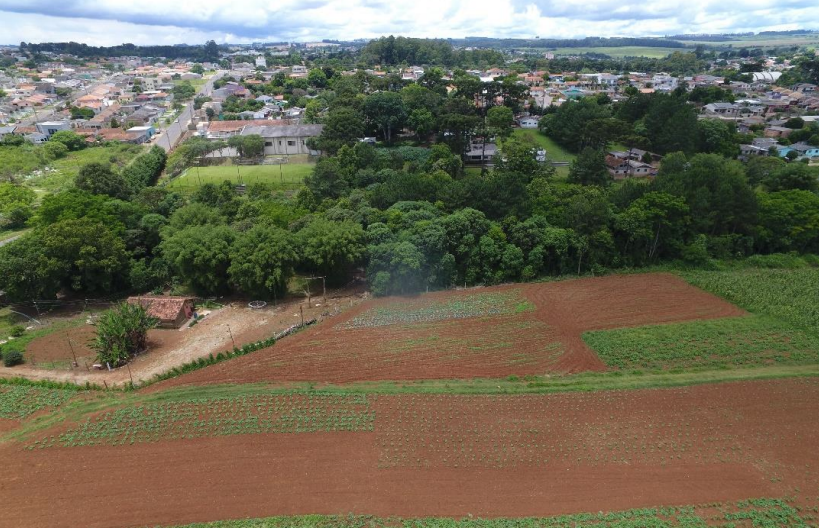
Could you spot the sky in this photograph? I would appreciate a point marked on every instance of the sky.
(110, 22)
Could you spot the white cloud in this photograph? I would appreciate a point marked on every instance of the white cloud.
(194, 21)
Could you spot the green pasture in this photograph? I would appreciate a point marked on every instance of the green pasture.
(288, 176)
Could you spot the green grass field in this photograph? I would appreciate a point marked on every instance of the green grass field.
(622, 51)
(61, 173)
(287, 177)
(760, 41)
(554, 152)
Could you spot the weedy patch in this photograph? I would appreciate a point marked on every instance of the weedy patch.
(427, 310)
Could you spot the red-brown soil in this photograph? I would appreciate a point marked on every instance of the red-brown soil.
(533, 456)
(546, 340)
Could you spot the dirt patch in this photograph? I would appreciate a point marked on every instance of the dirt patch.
(49, 357)
(563, 453)
(8, 424)
(54, 350)
(541, 338)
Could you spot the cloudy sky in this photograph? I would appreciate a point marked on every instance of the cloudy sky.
(108, 22)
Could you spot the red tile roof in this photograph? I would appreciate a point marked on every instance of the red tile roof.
(163, 308)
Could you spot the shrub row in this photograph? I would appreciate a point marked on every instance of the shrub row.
(144, 171)
(212, 360)
(45, 384)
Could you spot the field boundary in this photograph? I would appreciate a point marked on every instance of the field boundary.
(585, 382)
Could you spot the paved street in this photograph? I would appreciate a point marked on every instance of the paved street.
(168, 138)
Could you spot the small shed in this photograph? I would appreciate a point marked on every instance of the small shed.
(172, 312)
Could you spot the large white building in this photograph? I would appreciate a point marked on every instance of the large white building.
(285, 140)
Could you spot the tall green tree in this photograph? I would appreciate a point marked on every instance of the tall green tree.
(262, 261)
(589, 168)
(98, 178)
(386, 110)
(200, 256)
(331, 248)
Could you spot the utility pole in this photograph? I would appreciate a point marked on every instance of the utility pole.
(231, 336)
(128, 366)
(73, 353)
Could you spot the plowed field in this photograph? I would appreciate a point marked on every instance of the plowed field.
(420, 455)
(489, 332)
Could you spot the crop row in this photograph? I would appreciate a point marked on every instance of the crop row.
(20, 401)
(203, 417)
(428, 310)
(773, 513)
(736, 341)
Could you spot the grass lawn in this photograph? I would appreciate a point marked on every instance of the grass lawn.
(8, 320)
(554, 152)
(19, 344)
(285, 177)
(60, 174)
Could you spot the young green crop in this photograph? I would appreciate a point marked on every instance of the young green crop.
(203, 417)
(791, 295)
(20, 401)
(737, 341)
(760, 512)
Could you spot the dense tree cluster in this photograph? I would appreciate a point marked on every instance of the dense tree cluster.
(391, 50)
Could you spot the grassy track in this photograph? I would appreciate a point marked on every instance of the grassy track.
(754, 512)
(289, 177)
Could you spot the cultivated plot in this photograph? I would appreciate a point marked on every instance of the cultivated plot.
(416, 455)
(480, 333)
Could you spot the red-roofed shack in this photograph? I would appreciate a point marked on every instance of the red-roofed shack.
(172, 312)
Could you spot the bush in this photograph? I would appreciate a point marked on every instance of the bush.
(12, 358)
(17, 331)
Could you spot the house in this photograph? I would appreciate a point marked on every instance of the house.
(479, 152)
(288, 139)
(803, 150)
(7, 130)
(36, 138)
(722, 109)
(49, 128)
(777, 132)
(529, 122)
(141, 134)
(629, 164)
(748, 151)
(172, 312)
